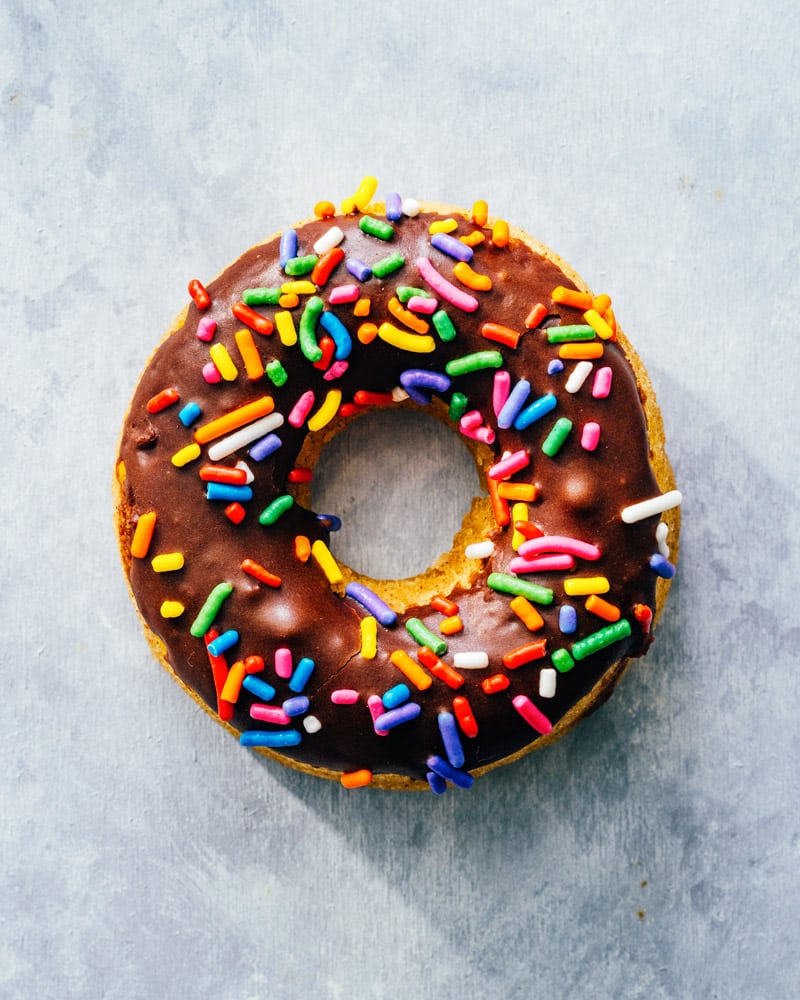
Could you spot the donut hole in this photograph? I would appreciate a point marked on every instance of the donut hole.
(402, 484)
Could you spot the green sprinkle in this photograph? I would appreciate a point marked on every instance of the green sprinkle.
(274, 511)
(210, 609)
(458, 406)
(296, 266)
(376, 227)
(565, 334)
(423, 636)
(444, 325)
(562, 661)
(505, 583)
(406, 292)
(277, 373)
(557, 436)
(261, 296)
(307, 334)
(388, 265)
(474, 362)
(600, 639)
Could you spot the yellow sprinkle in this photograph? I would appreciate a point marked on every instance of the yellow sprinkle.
(581, 352)
(168, 562)
(473, 239)
(526, 492)
(365, 192)
(289, 301)
(519, 512)
(253, 364)
(326, 562)
(348, 206)
(580, 586)
(223, 361)
(443, 226)
(414, 342)
(369, 637)
(478, 282)
(284, 324)
(171, 609)
(598, 324)
(500, 233)
(480, 213)
(121, 473)
(362, 307)
(451, 625)
(327, 411)
(186, 455)
(298, 288)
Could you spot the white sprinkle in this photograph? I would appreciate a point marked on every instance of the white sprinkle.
(399, 394)
(661, 537)
(471, 661)
(655, 505)
(247, 470)
(410, 207)
(329, 239)
(547, 683)
(244, 436)
(311, 724)
(580, 373)
(479, 550)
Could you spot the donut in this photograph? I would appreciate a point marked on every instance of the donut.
(561, 567)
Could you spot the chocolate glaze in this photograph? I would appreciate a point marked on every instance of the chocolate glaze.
(581, 495)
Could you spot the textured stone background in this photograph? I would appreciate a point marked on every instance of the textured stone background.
(654, 852)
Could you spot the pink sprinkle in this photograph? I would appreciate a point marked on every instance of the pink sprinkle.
(206, 329)
(470, 426)
(544, 564)
(590, 436)
(283, 662)
(211, 373)
(471, 420)
(559, 543)
(344, 696)
(509, 465)
(445, 289)
(268, 713)
(344, 293)
(500, 390)
(530, 713)
(376, 708)
(336, 370)
(419, 304)
(301, 409)
(602, 383)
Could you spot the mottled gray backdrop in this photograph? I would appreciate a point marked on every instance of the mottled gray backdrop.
(654, 852)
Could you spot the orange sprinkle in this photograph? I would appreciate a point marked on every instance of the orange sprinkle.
(232, 687)
(143, 534)
(500, 334)
(524, 654)
(367, 332)
(253, 364)
(411, 670)
(326, 265)
(163, 399)
(356, 779)
(219, 671)
(526, 492)
(254, 569)
(324, 209)
(527, 613)
(251, 318)
(611, 319)
(500, 509)
(535, 316)
(302, 548)
(603, 609)
(500, 235)
(480, 213)
(581, 352)
(289, 300)
(601, 303)
(473, 239)
(405, 316)
(444, 605)
(477, 282)
(235, 419)
(441, 671)
(598, 324)
(362, 307)
(495, 683)
(571, 297)
(464, 716)
(451, 626)
(528, 530)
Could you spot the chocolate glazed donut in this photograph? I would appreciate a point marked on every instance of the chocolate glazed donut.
(556, 577)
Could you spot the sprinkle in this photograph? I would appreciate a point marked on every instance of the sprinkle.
(579, 374)
(555, 366)
(437, 784)
(298, 705)
(311, 724)
(440, 670)
(199, 295)
(567, 619)
(560, 543)
(461, 779)
(189, 414)
(331, 323)
(465, 716)
(343, 294)
(367, 332)
(598, 324)
(414, 342)
(662, 566)
(472, 279)
(558, 435)
(277, 373)
(388, 265)
(599, 640)
(471, 660)
(513, 405)
(441, 226)
(308, 329)
(500, 390)
(171, 609)
(396, 696)
(206, 329)
(526, 492)
(448, 728)
(451, 626)
(444, 605)
(261, 296)
(258, 572)
(527, 613)
(580, 586)
(398, 716)
(261, 689)
(542, 564)
(327, 264)
(411, 207)
(445, 289)
(480, 213)
(358, 269)
(186, 455)
(302, 287)
(535, 316)
(301, 409)
(478, 361)
(458, 404)
(143, 534)
(411, 670)
(223, 643)
(251, 318)
(406, 317)
(509, 465)
(450, 245)
(362, 307)
(344, 696)
(244, 436)
(537, 409)
(375, 706)
(232, 687)
(655, 505)
(331, 238)
(211, 373)
(235, 512)
(298, 266)
(288, 246)
(327, 410)
(276, 509)
(569, 334)
(324, 209)
(394, 206)
(167, 562)
(356, 779)
(500, 234)
(283, 662)
(219, 673)
(269, 713)
(515, 658)
(443, 326)
(470, 425)
(479, 550)
(423, 636)
(210, 609)
(504, 583)
(274, 740)
(603, 609)
(165, 398)
(495, 684)
(302, 548)
(228, 493)
(284, 324)
(572, 297)
(365, 192)
(500, 509)
(369, 599)
(324, 559)
(643, 615)
(578, 352)
(235, 419)
(531, 714)
(376, 227)
(547, 682)
(590, 436)
(413, 379)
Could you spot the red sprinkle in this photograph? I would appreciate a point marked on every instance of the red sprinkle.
(463, 713)
(528, 529)
(440, 670)
(254, 569)
(301, 475)
(252, 319)
(524, 654)
(444, 605)
(223, 474)
(325, 266)
(500, 334)
(328, 347)
(219, 671)
(253, 664)
(644, 615)
(235, 512)
(495, 683)
(349, 409)
(165, 398)
(364, 398)
(199, 295)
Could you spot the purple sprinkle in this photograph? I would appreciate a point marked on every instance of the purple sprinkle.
(452, 742)
(397, 716)
(394, 206)
(358, 268)
(452, 247)
(369, 599)
(296, 706)
(461, 779)
(288, 247)
(555, 366)
(512, 406)
(412, 379)
(567, 619)
(265, 446)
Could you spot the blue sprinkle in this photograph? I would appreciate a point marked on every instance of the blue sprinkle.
(567, 619)
(330, 521)
(331, 323)
(298, 705)
(513, 405)
(369, 599)
(189, 414)
(223, 642)
(555, 366)
(259, 688)
(288, 248)
(394, 207)
(265, 446)
(412, 379)
(452, 742)
(538, 409)
(663, 567)
(396, 696)
(259, 738)
(438, 785)
(224, 491)
(301, 676)
(398, 716)
(452, 247)
(461, 779)
(358, 268)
